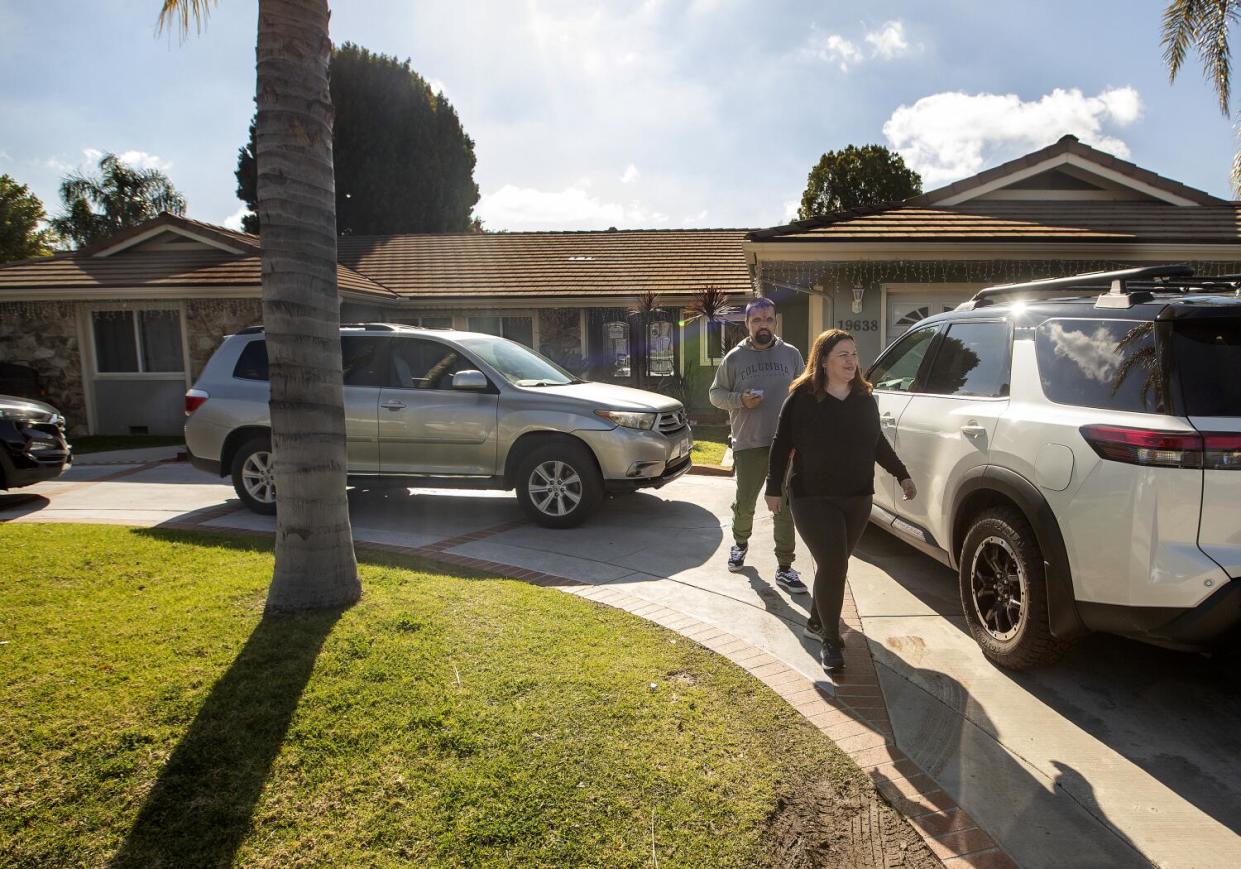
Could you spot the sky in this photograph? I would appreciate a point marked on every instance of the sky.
(655, 114)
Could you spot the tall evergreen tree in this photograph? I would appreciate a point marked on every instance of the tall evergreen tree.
(118, 197)
(21, 212)
(854, 177)
(403, 161)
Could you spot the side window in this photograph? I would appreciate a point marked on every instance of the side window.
(1110, 364)
(898, 368)
(972, 359)
(362, 360)
(419, 364)
(252, 363)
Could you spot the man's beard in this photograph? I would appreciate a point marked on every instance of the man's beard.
(763, 337)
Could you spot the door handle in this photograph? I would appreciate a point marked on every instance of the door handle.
(973, 430)
(393, 404)
(887, 420)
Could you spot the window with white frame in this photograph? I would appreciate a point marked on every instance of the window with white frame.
(146, 340)
(426, 321)
(515, 327)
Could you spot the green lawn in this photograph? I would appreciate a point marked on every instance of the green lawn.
(103, 443)
(151, 716)
(710, 442)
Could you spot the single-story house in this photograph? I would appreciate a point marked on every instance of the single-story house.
(119, 330)
(1065, 209)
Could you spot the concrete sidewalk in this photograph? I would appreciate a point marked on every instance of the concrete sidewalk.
(1121, 756)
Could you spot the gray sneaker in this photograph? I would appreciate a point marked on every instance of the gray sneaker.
(736, 558)
(790, 580)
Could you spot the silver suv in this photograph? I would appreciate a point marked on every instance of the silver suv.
(1076, 444)
(446, 409)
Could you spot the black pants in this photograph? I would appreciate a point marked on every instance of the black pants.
(831, 527)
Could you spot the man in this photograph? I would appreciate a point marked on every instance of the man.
(751, 384)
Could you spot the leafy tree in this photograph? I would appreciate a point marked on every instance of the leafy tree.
(295, 196)
(1204, 24)
(855, 177)
(21, 212)
(97, 206)
(403, 161)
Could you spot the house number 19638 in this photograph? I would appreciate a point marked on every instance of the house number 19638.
(858, 325)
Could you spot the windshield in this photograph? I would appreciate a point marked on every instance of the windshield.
(519, 365)
(1207, 355)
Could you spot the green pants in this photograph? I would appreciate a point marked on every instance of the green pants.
(750, 467)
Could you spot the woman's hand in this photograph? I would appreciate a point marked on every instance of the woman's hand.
(908, 490)
(774, 503)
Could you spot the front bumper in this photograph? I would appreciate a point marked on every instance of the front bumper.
(31, 453)
(670, 473)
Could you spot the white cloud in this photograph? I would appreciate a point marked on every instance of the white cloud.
(693, 219)
(437, 87)
(4, 155)
(889, 41)
(948, 136)
(132, 159)
(525, 208)
(631, 174)
(833, 48)
(233, 221)
(791, 207)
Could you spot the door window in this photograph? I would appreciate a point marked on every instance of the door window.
(418, 364)
(898, 369)
(362, 360)
(972, 359)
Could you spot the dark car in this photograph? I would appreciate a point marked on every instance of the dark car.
(32, 442)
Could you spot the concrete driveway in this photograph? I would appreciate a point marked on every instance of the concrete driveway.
(1122, 755)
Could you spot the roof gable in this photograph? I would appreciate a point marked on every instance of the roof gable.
(170, 232)
(1068, 171)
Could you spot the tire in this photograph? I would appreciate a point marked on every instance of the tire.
(559, 485)
(1004, 591)
(252, 476)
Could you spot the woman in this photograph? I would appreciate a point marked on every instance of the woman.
(829, 426)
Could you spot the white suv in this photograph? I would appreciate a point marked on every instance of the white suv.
(1076, 444)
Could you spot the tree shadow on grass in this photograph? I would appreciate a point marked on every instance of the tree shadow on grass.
(199, 810)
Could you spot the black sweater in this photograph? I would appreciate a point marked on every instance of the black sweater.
(835, 445)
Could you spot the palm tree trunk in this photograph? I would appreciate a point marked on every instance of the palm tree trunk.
(315, 565)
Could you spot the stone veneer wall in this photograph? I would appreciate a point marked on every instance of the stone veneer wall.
(207, 321)
(44, 336)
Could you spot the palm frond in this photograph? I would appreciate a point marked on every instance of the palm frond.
(647, 303)
(1181, 22)
(710, 304)
(177, 15)
(1213, 48)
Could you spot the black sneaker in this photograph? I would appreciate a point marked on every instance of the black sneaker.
(790, 580)
(812, 631)
(831, 655)
(736, 558)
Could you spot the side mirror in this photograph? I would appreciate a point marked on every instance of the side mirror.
(470, 379)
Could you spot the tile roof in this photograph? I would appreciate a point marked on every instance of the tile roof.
(1015, 221)
(1068, 145)
(189, 269)
(615, 262)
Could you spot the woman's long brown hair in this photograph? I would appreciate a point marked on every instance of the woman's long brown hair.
(814, 378)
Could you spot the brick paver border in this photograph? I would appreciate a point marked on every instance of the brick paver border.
(851, 711)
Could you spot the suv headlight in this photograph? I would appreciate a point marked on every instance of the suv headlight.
(629, 419)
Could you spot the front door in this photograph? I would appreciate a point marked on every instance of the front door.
(949, 423)
(427, 427)
(894, 378)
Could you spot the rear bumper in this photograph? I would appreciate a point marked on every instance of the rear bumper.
(208, 465)
(670, 473)
(1213, 623)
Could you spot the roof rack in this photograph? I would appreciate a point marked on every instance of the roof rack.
(368, 327)
(1124, 286)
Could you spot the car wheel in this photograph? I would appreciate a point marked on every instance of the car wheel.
(254, 477)
(1004, 591)
(558, 485)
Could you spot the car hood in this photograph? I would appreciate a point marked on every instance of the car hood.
(26, 408)
(609, 396)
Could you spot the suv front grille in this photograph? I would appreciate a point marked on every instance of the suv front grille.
(671, 423)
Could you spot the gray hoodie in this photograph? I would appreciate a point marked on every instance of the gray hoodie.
(746, 367)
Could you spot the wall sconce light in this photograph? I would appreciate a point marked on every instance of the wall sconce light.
(858, 292)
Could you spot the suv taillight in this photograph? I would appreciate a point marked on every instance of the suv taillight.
(194, 399)
(1165, 449)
